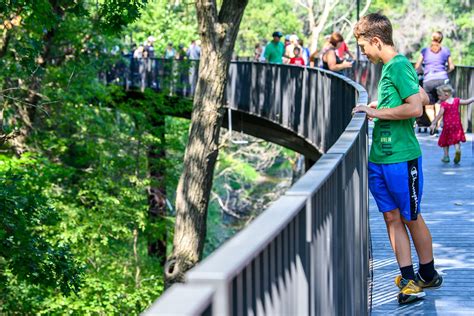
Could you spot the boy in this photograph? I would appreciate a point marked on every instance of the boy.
(297, 60)
(395, 171)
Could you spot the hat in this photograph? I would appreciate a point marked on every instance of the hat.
(277, 34)
(287, 37)
(151, 38)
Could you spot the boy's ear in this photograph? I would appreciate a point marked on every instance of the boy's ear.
(377, 42)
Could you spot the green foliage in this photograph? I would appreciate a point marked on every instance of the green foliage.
(115, 13)
(262, 18)
(167, 22)
(453, 18)
(90, 169)
(98, 188)
(29, 254)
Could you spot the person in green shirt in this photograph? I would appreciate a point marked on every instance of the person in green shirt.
(395, 162)
(274, 50)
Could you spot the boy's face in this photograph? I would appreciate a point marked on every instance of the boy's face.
(370, 49)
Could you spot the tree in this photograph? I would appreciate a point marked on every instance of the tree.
(330, 14)
(218, 31)
(40, 36)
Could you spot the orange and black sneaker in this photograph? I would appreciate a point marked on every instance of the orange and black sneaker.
(433, 284)
(410, 292)
(400, 282)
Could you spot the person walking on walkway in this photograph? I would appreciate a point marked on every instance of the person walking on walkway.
(452, 133)
(274, 50)
(437, 63)
(395, 163)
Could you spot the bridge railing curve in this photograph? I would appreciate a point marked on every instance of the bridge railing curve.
(307, 254)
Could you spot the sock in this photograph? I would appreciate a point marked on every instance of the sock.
(407, 272)
(427, 271)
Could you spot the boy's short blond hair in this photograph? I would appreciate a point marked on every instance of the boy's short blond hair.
(445, 88)
(374, 25)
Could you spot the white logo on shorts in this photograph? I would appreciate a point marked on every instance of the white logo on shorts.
(414, 176)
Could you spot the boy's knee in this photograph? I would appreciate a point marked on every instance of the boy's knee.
(392, 217)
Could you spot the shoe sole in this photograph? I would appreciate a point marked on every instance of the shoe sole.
(405, 299)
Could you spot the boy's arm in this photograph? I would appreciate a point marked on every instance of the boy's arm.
(413, 107)
(466, 101)
(425, 99)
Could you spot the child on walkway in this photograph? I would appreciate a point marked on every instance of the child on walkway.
(453, 133)
(395, 164)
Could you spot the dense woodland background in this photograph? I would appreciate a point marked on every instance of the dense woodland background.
(75, 158)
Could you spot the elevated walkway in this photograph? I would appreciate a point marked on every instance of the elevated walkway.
(308, 253)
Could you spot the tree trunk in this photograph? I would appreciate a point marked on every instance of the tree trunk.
(218, 33)
(157, 191)
(322, 20)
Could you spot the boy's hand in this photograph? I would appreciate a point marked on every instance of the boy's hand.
(373, 104)
(425, 99)
(370, 110)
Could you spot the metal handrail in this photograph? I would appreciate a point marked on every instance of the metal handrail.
(317, 232)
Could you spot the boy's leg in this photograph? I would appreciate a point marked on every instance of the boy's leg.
(427, 277)
(421, 238)
(398, 236)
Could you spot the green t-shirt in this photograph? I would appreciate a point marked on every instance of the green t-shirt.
(274, 52)
(394, 141)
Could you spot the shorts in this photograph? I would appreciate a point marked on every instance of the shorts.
(431, 86)
(397, 185)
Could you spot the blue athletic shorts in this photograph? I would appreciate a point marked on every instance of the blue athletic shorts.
(397, 185)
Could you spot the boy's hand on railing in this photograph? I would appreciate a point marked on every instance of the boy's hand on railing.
(369, 109)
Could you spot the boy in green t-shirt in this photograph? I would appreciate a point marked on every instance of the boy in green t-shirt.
(395, 170)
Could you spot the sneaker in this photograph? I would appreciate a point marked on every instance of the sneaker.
(433, 284)
(410, 293)
(400, 282)
(445, 159)
(457, 157)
